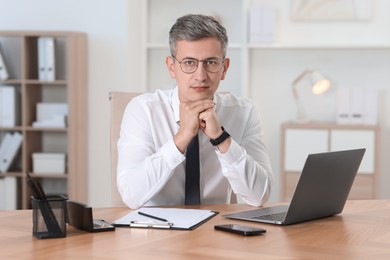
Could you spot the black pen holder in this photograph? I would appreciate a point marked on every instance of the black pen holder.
(49, 217)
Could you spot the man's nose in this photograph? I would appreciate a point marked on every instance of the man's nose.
(200, 72)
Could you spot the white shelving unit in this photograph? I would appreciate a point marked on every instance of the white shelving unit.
(351, 54)
(159, 16)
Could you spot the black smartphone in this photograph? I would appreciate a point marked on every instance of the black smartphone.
(101, 225)
(239, 229)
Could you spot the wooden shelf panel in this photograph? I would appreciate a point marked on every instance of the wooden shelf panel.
(70, 87)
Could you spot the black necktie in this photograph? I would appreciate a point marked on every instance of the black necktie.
(192, 173)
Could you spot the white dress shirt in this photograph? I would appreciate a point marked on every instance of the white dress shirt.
(151, 170)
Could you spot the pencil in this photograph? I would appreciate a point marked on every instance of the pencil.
(151, 216)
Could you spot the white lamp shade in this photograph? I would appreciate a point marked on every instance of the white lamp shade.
(320, 84)
(308, 90)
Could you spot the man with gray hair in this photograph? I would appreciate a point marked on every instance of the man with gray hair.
(191, 145)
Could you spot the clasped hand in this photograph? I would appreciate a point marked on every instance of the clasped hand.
(195, 115)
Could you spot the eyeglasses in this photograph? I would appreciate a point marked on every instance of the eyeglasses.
(190, 65)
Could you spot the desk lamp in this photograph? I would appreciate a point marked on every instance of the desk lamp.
(318, 85)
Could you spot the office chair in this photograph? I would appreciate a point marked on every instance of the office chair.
(118, 102)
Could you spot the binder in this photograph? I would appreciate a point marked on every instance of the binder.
(165, 218)
(41, 58)
(3, 69)
(46, 58)
(8, 149)
(7, 106)
(8, 197)
(370, 109)
(50, 58)
(357, 101)
(357, 105)
(343, 106)
(261, 24)
(4, 155)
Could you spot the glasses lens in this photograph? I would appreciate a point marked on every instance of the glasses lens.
(213, 65)
(189, 65)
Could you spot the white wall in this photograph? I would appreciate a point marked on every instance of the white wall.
(113, 29)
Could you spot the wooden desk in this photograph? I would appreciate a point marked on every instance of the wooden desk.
(362, 231)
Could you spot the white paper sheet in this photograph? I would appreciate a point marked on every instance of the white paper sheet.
(180, 218)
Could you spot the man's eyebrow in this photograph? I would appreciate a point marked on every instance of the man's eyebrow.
(208, 58)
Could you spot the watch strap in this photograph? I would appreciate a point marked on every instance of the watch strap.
(225, 135)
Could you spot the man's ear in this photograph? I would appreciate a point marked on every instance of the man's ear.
(170, 65)
(225, 68)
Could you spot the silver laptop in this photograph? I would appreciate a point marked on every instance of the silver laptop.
(322, 190)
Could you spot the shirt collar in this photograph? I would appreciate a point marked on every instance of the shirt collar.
(176, 104)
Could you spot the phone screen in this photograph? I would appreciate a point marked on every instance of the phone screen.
(239, 229)
(101, 225)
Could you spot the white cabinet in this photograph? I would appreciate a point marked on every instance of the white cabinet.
(299, 140)
(350, 139)
(300, 143)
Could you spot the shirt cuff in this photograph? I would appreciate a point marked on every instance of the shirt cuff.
(232, 156)
(171, 154)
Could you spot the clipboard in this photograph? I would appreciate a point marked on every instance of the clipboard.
(165, 218)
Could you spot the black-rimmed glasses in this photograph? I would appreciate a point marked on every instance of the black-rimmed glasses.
(190, 65)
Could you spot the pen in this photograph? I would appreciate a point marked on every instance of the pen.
(138, 224)
(46, 210)
(153, 217)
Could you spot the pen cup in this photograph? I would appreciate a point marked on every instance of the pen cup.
(49, 217)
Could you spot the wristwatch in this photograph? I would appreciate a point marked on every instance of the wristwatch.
(225, 135)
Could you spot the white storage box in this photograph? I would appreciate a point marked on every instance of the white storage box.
(49, 163)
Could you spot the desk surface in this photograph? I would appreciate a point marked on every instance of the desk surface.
(362, 231)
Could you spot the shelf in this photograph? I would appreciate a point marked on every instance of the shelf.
(14, 128)
(49, 176)
(70, 87)
(45, 129)
(41, 82)
(316, 47)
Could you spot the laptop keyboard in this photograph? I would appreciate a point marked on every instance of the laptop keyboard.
(273, 217)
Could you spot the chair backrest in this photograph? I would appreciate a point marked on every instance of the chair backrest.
(118, 102)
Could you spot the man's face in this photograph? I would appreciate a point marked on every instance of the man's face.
(201, 84)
